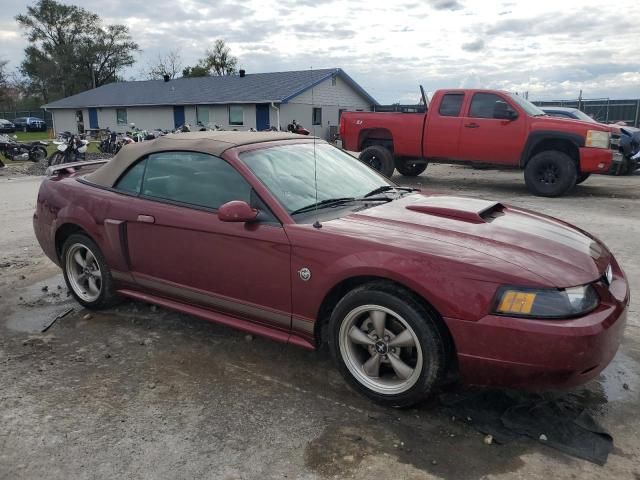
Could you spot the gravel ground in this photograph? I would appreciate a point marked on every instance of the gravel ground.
(142, 392)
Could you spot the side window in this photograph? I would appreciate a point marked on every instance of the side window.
(451, 104)
(131, 180)
(317, 116)
(483, 105)
(193, 178)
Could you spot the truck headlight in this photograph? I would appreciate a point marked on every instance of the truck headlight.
(597, 139)
(556, 303)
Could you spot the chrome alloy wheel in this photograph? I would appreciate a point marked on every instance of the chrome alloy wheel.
(83, 272)
(380, 349)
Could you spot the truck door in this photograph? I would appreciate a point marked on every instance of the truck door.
(492, 130)
(442, 129)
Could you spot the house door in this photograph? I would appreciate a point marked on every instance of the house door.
(262, 116)
(178, 116)
(93, 118)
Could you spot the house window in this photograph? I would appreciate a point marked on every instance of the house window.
(202, 115)
(236, 115)
(121, 116)
(334, 81)
(317, 116)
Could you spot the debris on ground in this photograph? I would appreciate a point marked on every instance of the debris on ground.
(506, 415)
(56, 318)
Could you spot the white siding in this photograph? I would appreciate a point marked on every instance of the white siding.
(64, 120)
(331, 98)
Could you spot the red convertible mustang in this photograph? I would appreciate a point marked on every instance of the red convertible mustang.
(404, 286)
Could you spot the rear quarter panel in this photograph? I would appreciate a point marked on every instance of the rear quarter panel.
(405, 130)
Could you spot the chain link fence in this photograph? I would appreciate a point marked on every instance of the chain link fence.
(39, 113)
(602, 109)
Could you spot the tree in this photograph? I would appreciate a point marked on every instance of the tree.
(217, 62)
(168, 64)
(71, 50)
(195, 71)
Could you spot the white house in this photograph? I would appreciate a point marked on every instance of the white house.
(314, 98)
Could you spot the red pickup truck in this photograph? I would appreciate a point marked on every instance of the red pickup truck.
(481, 127)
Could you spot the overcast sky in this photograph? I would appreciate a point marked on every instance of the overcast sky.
(550, 48)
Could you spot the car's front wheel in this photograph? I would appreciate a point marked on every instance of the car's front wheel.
(550, 174)
(86, 273)
(387, 345)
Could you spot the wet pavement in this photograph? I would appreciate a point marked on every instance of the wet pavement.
(142, 392)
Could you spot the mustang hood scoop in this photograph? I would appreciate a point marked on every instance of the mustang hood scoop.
(465, 209)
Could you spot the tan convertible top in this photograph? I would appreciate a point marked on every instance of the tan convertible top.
(213, 143)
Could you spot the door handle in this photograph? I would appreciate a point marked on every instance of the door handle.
(471, 125)
(146, 219)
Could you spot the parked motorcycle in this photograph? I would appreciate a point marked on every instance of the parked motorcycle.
(111, 143)
(73, 149)
(295, 127)
(629, 147)
(16, 151)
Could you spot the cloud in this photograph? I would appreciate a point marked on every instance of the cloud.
(474, 46)
(446, 4)
(544, 47)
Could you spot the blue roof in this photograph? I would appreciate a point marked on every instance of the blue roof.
(278, 87)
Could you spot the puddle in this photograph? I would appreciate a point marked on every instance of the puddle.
(32, 308)
(622, 371)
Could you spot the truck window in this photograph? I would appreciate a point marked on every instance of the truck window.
(451, 104)
(483, 105)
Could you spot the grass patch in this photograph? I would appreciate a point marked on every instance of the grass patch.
(31, 136)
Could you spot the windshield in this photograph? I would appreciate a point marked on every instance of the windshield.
(288, 172)
(526, 105)
(583, 116)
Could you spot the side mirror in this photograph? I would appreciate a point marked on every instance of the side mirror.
(503, 111)
(237, 211)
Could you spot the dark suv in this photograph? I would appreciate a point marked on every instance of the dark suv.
(30, 124)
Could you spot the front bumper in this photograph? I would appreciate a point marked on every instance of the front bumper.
(595, 160)
(529, 353)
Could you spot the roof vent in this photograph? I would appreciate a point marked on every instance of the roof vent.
(166, 77)
(242, 73)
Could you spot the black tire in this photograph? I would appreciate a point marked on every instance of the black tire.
(550, 174)
(582, 177)
(428, 329)
(56, 158)
(107, 297)
(409, 168)
(378, 158)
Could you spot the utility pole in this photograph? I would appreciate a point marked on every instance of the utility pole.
(580, 100)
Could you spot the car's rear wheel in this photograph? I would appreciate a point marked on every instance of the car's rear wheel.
(582, 177)
(387, 345)
(409, 167)
(550, 174)
(86, 273)
(378, 158)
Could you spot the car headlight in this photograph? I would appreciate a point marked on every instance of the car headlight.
(597, 139)
(556, 303)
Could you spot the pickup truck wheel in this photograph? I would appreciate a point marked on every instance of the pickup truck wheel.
(550, 174)
(582, 177)
(378, 158)
(409, 168)
(387, 345)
